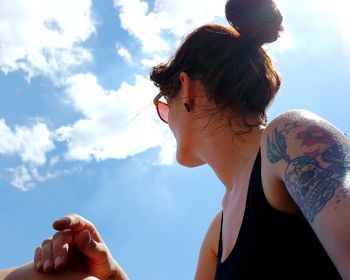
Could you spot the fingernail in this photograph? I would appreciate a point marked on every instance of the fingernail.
(65, 219)
(58, 262)
(38, 265)
(47, 265)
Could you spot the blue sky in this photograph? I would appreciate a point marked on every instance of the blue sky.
(79, 132)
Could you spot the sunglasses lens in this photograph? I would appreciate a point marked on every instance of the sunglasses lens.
(163, 111)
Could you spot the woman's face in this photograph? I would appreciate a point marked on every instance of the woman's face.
(185, 128)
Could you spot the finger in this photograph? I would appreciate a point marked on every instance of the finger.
(37, 259)
(60, 245)
(96, 252)
(76, 222)
(46, 255)
(62, 224)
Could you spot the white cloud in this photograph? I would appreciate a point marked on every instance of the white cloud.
(185, 15)
(54, 160)
(152, 60)
(167, 150)
(116, 124)
(169, 19)
(31, 143)
(124, 53)
(160, 30)
(25, 177)
(44, 37)
(136, 19)
(21, 178)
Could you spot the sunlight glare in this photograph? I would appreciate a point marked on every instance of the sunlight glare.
(338, 10)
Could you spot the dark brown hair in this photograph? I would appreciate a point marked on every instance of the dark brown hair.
(235, 70)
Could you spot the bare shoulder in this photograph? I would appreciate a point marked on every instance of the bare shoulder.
(301, 132)
(207, 260)
(309, 155)
(293, 119)
(298, 132)
(213, 233)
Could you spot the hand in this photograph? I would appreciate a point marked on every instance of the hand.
(78, 246)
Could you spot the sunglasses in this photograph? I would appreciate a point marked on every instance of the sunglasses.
(162, 108)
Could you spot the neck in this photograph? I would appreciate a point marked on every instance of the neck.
(234, 156)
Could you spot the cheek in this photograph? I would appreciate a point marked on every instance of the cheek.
(171, 123)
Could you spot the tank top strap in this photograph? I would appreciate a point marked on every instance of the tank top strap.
(220, 239)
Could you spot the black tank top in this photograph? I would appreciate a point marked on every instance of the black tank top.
(272, 244)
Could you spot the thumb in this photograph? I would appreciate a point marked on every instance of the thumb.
(96, 252)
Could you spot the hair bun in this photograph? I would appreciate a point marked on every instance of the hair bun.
(258, 21)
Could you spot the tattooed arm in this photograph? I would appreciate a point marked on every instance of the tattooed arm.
(312, 159)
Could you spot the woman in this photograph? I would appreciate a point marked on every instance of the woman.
(285, 212)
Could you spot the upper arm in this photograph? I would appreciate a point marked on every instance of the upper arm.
(207, 261)
(312, 158)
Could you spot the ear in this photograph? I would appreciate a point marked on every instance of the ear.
(186, 88)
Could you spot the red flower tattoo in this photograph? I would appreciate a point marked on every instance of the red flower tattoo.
(314, 135)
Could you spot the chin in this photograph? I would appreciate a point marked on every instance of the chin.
(189, 161)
